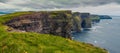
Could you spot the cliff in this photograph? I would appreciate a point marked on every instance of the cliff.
(86, 21)
(13, 40)
(81, 20)
(77, 20)
(95, 18)
(45, 22)
(105, 17)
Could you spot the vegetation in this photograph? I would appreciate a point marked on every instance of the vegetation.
(30, 42)
(95, 17)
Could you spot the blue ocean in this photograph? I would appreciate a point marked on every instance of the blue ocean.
(105, 34)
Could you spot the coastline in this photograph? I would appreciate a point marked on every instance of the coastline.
(78, 46)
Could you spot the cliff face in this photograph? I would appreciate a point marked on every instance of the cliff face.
(52, 22)
(86, 21)
(76, 22)
(81, 20)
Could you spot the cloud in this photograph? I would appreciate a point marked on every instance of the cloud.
(65, 3)
(93, 6)
(6, 7)
(3, 0)
(58, 3)
(108, 9)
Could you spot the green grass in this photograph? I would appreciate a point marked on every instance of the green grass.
(4, 18)
(29, 42)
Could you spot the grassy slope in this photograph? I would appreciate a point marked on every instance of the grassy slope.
(14, 42)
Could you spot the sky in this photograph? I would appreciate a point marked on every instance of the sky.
(105, 7)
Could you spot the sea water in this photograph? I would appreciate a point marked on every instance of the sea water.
(105, 34)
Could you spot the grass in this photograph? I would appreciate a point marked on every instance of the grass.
(29, 42)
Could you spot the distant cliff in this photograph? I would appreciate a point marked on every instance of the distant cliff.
(86, 21)
(77, 20)
(105, 17)
(81, 20)
(95, 18)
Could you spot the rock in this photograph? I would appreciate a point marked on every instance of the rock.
(81, 20)
(46, 22)
(86, 21)
(105, 17)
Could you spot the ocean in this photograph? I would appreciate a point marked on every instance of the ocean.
(105, 34)
(1, 14)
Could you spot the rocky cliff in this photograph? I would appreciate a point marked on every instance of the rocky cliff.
(81, 20)
(77, 20)
(86, 21)
(51, 22)
(105, 17)
(46, 22)
(95, 18)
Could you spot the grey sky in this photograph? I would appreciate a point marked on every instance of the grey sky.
(52, 4)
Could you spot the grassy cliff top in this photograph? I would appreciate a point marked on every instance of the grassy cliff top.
(29, 42)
